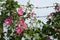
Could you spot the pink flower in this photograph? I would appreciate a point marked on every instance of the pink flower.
(31, 14)
(57, 8)
(25, 26)
(20, 22)
(51, 14)
(8, 20)
(19, 30)
(20, 11)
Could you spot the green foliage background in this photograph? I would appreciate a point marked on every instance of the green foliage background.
(51, 28)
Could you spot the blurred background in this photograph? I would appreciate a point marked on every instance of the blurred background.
(41, 12)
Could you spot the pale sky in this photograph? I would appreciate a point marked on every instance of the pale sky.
(41, 3)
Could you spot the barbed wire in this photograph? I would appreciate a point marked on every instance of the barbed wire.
(41, 16)
(35, 8)
(40, 7)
